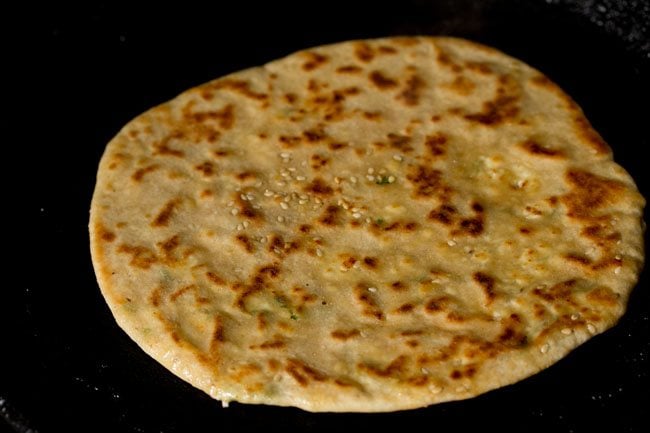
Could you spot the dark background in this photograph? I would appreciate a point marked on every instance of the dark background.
(72, 76)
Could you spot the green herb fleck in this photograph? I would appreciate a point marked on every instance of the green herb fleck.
(383, 180)
(379, 221)
(284, 304)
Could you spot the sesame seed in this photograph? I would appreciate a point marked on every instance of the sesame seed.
(391, 179)
(280, 183)
(319, 253)
(337, 179)
(299, 178)
(372, 289)
(424, 370)
(243, 197)
(368, 220)
(317, 200)
(382, 171)
(353, 179)
(262, 240)
(451, 243)
(234, 211)
(343, 269)
(230, 204)
(371, 170)
(250, 196)
(591, 328)
(370, 177)
(246, 224)
(240, 227)
(287, 199)
(280, 218)
(617, 270)
(398, 158)
(277, 250)
(566, 331)
(544, 348)
(268, 193)
(345, 206)
(574, 317)
(356, 265)
(356, 215)
(285, 155)
(283, 205)
(435, 389)
(618, 257)
(302, 201)
(292, 169)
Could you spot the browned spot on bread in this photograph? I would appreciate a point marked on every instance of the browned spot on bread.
(412, 91)
(315, 135)
(154, 297)
(427, 180)
(437, 304)
(168, 247)
(165, 214)
(141, 172)
(216, 279)
(398, 286)
(468, 371)
(487, 283)
(436, 143)
(445, 59)
(370, 262)
(239, 86)
(470, 226)
(220, 153)
(399, 141)
(318, 186)
(394, 370)
(224, 117)
(503, 107)
(316, 60)
(560, 293)
(405, 308)
(578, 259)
(525, 230)
(245, 242)
(305, 228)
(180, 292)
(364, 52)
(331, 216)
(336, 145)
(348, 69)
(461, 85)
(479, 67)
(345, 335)
(604, 296)
(162, 147)
(104, 234)
(276, 343)
(206, 168)
(386, 49)
(318, 161)
(590, 193)
(534, 148)
(289, 140)
(381, 81)
(246, 209)
(369, 306)
(141, 257)
(444, 214)
(601, 232)
(258, 283)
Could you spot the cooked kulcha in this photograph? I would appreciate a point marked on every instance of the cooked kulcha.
(366, 226)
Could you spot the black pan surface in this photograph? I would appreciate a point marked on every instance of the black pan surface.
(74, 76)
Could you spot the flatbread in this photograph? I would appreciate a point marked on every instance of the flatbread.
(366, 226)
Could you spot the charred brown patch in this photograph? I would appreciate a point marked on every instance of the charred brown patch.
(245, 175)
(315, 135)
(371, 262)
(216, 279)
(436, 143)
(462, 85)
(395, 369)
(470, 226)
(479, 67)
(557, 294)
(578, 259)
(412, 91)
(503, 107)
(590, 193)
(405, 308)
(224, 117)
(382, 81)
(290, 140)
(348, 69)
(305, 228)
(372, 115)
(141, 172)
(487, 283)
(364, 52)
(246, 209)
(399, 141)
(369, 306)
(331, 216)
(206, 168)
(336, 145)
(245, 242)
(165, 214)
(398, 286)
(319, 187)
(303, 373)
(220, 153)
(427, 181)
(386, 49)
(141, 257)
(467, 371)
(534, 148)
(345, 335)
(525, 230)
(239, 86)
(276, 343)
(316, 60)
(104, 234)
(604, 296)
(444, 214)
(318, 161)
(437, 304)
(169, 246)
(162, 147)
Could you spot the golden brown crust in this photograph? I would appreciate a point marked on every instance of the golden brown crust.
(422, 217)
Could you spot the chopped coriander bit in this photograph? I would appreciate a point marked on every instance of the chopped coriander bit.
(383, 180)
(284, 304)
(379, 221)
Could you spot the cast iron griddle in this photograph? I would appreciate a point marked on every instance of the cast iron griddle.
(66, 366)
